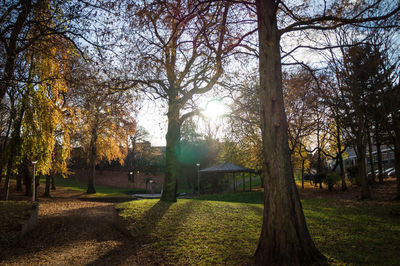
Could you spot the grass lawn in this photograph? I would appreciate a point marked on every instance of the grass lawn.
(101, 191)
(224, 229)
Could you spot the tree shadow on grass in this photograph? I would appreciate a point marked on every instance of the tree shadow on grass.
(355, 235)
(156, 225)
(165, 232)
(88, 236)
(142, 226)
(55, 231)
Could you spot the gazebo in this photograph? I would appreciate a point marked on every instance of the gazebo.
(230, 168)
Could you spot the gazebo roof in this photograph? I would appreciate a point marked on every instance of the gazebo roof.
(226, 168)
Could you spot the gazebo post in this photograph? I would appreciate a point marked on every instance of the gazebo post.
(244, 179)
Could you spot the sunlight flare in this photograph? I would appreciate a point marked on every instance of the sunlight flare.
(215, 109)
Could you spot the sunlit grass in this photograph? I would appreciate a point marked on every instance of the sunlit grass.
(190, 232)
(224, 229)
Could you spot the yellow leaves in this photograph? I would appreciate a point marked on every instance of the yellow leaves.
(46, 132)
(112, 143)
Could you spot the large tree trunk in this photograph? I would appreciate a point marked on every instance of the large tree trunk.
(284, 238)
(361, 166)
(172, 153)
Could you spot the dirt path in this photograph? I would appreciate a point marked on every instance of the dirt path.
(75, 231)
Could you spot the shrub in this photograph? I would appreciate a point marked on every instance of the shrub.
(331, 179)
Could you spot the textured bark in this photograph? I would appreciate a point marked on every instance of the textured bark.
(361, 158)
(172, 153)
(284, 238)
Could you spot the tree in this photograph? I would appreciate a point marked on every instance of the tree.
(303, 116)
(37, 40)
(245, 142)
(385, 100)
(182, 47)
(338, 138)
(140, 136)
(12, 27)
(66, 20)
(196, 148)
(359, 75)
(103, 111)
(392, 109)
(39, 114)
(284, 237)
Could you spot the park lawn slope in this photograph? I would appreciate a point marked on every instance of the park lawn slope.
(193, 231)
(355, 232)
(224, 229)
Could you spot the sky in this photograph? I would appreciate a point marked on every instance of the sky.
(152, 117)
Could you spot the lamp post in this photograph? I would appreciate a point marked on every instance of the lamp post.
(198, 178)
(130, 176)
(34, 180)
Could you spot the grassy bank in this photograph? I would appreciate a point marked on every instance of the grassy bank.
(101, 191)
(224, 229)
